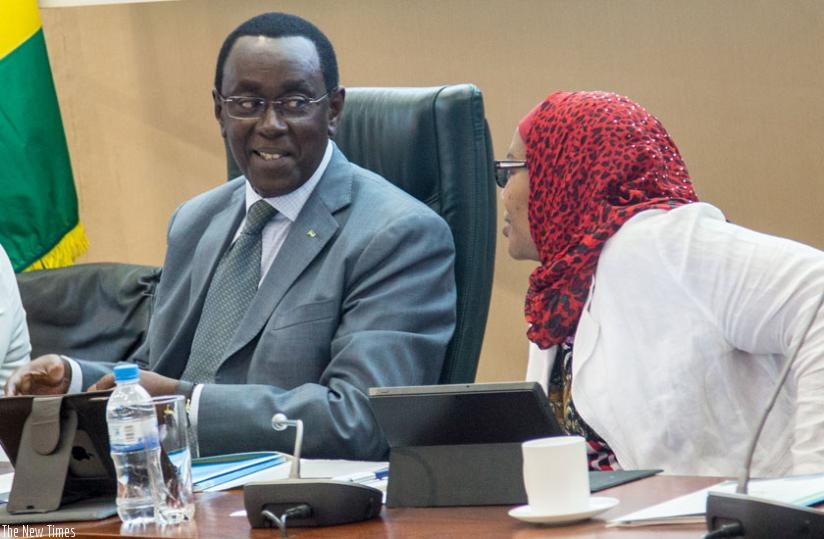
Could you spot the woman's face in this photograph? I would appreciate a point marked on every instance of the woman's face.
(515, 197)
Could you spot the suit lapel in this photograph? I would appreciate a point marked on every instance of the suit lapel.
(212, 243)
(314, 227)
(215, 240)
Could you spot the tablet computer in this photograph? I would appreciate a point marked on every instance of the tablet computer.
(455, 414)
(79, 451)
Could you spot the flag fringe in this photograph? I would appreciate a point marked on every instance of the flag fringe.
(70, 246)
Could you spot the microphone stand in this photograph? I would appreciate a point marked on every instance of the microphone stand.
(307, 502)
(281, 422)
(741, 515)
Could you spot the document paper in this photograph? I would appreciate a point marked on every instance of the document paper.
(803, 490)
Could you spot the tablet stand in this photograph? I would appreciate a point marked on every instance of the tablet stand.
(472, 474)
(453, 475)
(43, 457)
(44, 487)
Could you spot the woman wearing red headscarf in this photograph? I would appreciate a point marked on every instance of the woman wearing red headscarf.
(658, 328)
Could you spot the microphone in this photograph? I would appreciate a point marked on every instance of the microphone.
(281, 422)
(307, 502)
(741, 515)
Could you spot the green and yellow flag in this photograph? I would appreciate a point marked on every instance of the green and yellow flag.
(39, 224)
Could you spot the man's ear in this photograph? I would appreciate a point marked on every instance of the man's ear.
(336, 100)
(219, 112)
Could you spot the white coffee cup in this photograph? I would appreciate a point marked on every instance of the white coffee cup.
(556, 475)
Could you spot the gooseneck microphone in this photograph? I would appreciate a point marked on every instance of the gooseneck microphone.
(741, 515)
(307, 502)
(281, 422)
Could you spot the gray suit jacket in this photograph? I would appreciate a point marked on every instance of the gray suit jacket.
(361, 294)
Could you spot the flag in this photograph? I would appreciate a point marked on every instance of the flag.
(39, 223)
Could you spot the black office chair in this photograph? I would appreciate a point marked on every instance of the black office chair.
(434, 143)
(98, 312)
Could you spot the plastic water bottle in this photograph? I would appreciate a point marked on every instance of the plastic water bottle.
(133, 440)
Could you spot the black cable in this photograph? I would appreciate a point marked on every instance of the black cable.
(299, 511)
(733, 529)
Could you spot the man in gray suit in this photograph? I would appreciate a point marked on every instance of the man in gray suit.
(355, 287)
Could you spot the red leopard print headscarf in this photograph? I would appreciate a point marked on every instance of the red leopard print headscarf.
(595, 159)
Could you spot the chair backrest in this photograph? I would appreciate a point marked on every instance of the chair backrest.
(98, 312)
(434, 143)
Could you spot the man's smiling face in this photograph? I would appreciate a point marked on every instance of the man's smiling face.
(277, 154)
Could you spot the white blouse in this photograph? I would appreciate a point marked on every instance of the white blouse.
(14, 334)
(687, 325)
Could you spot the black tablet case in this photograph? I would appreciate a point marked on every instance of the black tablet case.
(59, 447)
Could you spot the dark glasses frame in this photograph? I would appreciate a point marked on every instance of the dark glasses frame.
(504, 168)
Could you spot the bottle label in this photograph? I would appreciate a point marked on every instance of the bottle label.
(134, 435)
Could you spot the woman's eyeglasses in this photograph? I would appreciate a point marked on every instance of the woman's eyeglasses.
(504, 168)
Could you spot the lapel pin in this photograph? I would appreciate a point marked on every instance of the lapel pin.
(311, 233)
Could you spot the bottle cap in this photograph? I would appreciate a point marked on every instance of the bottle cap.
(126, 372)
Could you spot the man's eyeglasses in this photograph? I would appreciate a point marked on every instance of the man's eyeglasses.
(504, 168)
(253, 108)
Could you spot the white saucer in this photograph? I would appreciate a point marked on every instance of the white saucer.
(596, 505)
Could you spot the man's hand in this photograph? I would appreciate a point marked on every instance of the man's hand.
(152, 382)
(46, 375)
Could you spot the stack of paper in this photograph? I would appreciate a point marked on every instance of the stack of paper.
(212, 472)
(803, 490)
(372, 474)
(360, 471)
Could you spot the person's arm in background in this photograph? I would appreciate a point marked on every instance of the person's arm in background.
(762, 291)
(14, 334)
(53, 374)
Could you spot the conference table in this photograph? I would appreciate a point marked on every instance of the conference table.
(218, 517)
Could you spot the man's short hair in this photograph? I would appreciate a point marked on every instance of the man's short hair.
(274, 25)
